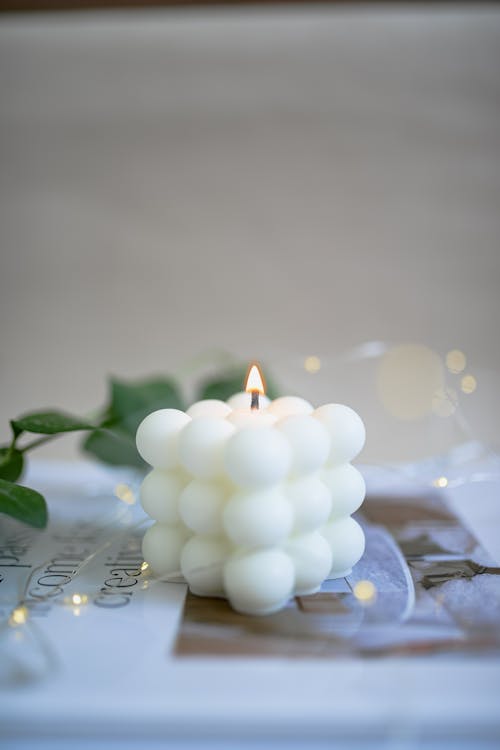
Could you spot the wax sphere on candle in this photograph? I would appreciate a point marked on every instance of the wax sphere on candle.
(160, 493)
(201, 446)
(248, 418)
(210, 407)
(157, 435)
(201, 504)
(347, 431)
(243, 400)
(161, 547)
(312, 559)
(311, 502)
(347, 488)
(256, 458)
(202, 564)
(259, 582)
(347, 541)
(259, 518)
(309, 441)
(285, 406)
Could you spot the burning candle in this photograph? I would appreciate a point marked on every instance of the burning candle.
(253, 498)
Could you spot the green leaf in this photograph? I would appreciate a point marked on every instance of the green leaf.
(129, 403)
(116, 448)
(11, 463)
(226, 385)
(49, 423)
(132, 401)
(23, 503)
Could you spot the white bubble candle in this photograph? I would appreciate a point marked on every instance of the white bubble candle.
(252, 498)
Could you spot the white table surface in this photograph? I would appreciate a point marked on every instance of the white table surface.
(116, 683)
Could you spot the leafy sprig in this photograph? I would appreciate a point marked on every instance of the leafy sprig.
(109, 437)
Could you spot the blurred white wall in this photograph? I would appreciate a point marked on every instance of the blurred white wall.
(273, 183)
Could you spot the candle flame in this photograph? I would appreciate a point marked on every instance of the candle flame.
(255, 381)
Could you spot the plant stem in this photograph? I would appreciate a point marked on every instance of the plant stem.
(39, 441)
(48, 438)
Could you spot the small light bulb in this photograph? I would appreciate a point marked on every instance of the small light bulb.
(78, 599)
(18, 616)
(440, 482)
(124, 493)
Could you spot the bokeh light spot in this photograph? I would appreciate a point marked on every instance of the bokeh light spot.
(440, 482)
(18, 616)
(312, 364)
(365, 592)
(468, 384)
(456, 361)
(124, 493)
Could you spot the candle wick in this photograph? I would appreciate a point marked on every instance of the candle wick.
(255, 400)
